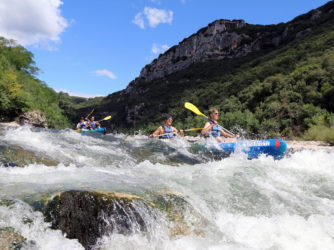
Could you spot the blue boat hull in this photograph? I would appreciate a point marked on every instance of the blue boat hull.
(99, 130)
(273, 147)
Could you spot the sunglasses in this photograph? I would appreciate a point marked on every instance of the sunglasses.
(214, 113)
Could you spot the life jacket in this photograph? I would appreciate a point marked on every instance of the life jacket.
(168, 130)
(92, 125)
(215, 132)
(82, 125)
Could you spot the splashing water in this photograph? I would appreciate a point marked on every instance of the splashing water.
(230, 203)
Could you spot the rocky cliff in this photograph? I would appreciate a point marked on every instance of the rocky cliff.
(217, 41)
(223, 39)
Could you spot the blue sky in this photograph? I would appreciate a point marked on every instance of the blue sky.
(90, 48)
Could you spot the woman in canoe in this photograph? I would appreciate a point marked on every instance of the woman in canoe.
(211, 128)
(166, 131)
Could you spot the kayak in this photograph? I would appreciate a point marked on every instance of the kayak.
(98, 130)
(272, 147)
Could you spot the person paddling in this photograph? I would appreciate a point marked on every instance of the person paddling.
(211, 128)
(81, 124)
(93, 124)
(166, 131)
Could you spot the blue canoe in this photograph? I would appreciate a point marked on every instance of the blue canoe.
(99, 130)
(272, 147)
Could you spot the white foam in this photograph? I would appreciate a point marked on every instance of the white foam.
(278, 232)
(31, 225)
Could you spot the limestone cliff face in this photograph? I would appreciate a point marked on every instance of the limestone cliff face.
(224, 39)
(217, 41)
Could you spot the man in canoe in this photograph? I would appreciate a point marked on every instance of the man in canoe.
(211, 128)
(82, 124)
(166, 131)
(93, 124)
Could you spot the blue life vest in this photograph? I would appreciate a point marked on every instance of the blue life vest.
(92, 125)
(168, 130)
(215, 132)
(82, 125)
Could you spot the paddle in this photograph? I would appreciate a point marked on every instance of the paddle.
(167, 134)
(89, 114)
(194, 109)
(192, 129)
(185, 130)
(105, 118)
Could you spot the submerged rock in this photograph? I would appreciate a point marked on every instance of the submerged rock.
(87, 216)
(14, 156)
(182, 216)
(9, 239)
(10, 164)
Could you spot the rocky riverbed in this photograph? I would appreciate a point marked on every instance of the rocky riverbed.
(294, 146)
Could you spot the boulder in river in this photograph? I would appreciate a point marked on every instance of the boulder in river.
(87, 216)
(34, 118)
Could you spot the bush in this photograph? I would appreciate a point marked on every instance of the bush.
(323, 130)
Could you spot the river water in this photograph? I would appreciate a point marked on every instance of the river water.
(232, 203)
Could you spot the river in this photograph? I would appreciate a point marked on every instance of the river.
(232, 203)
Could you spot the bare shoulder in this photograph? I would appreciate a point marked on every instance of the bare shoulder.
(207, 124)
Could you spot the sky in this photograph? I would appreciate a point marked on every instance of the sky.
(94, 48)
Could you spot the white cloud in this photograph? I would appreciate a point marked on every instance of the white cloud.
(104, 72)
(139, 20)
(158, 49)
(157, 16)
(72, 93)
(153, 16)
(32, 21)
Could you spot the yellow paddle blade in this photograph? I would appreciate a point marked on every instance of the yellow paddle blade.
(106, 118)
(193, 108)
(193, 129)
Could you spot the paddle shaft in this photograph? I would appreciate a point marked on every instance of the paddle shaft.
(192, 129)
(89, 114)
(167, 134)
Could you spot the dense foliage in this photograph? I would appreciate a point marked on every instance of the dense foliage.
(21, 91)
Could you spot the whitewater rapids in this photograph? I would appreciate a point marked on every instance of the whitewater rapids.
(236, 203)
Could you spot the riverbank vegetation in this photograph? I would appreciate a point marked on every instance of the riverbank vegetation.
(21, 90)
